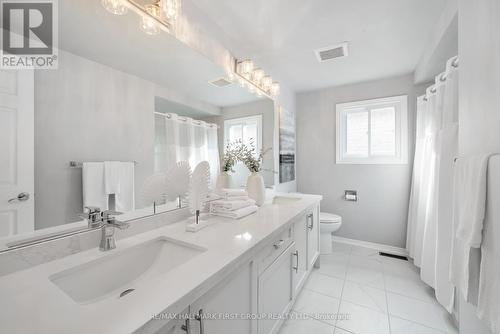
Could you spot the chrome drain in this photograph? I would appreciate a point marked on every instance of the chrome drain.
(126, 292)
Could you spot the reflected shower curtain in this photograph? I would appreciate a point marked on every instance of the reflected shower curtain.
(430, 210)
(185, 139)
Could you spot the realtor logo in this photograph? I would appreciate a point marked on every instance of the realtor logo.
(29, 34)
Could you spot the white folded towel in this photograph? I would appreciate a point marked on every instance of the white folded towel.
(112, 176)
(125, 198)
(227, 193)
(224, 205)
(469, 207)
(237, 214)
(94, 193)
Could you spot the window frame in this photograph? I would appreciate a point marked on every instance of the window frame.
(241, 120)
(400, 105)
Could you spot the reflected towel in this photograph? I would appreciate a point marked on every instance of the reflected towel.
(224, 205)
(94, 193)
(227, 193)
(469, 209)
(112, 176)
(125, 199)
(237, 214)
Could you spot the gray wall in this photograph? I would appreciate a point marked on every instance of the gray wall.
(380, 215)
(479, 101)
(85, 111)
(264, 108)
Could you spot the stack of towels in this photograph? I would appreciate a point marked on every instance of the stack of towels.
(234, 203)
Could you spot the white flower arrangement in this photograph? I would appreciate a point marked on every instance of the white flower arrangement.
(238, 151)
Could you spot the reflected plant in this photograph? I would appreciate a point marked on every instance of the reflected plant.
(230, 157)
(248, 156)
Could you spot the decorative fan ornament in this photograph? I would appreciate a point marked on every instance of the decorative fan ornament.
(153, 190)
(177, 181)
(199, 187)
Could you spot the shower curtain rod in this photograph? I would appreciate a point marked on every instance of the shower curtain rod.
(455, 62)
(185, 119)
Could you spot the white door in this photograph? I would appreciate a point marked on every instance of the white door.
(17, 204)
(300, 254)
(312, 237)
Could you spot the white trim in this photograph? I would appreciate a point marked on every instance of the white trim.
(380, 247)
(400, 103)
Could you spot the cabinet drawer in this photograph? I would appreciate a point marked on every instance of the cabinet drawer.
(275, 249)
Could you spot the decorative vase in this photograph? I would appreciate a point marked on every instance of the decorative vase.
(224, 181)
(256, 189)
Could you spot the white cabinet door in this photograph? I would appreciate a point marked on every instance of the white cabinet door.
(312, 237)
(300, 254)
(17, 207)
(219, 311)
(275, 291)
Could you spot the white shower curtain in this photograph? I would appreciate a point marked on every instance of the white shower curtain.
(186, 139)
(430, 211)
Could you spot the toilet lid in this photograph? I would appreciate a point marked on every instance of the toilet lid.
(329, 218)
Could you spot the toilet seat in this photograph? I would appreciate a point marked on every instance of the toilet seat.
(329, 218)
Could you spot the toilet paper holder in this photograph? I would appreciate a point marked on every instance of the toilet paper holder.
(351, 195)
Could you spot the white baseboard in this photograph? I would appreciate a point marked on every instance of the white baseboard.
(380, 247)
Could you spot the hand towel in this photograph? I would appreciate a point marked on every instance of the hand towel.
(488, 305)
(112, 176)
(237, 214)
(469, 208)
(226, 192)
(125, 198)
(223, 205)
(94, 193)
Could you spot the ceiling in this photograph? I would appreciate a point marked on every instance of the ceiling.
(386, 37)
(88, 30)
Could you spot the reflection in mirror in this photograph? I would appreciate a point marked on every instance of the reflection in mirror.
(108, 125)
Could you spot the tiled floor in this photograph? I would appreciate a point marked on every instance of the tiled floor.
(379, 295)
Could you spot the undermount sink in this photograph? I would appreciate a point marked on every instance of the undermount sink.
(117, 274)
(285, 200)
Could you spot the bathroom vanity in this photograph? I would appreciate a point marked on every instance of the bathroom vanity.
(235, 276)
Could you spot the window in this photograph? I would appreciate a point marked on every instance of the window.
(373, 131)
(246, 129)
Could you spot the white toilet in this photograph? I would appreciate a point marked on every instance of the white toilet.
(329, 223)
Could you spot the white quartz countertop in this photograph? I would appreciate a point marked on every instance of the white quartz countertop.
(31, 303)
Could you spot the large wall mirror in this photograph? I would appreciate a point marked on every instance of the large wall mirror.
(121, 107)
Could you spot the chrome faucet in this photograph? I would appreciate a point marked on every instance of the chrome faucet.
(106, 221)
(108, 225)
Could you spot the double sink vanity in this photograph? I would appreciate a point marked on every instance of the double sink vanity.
(235, 276)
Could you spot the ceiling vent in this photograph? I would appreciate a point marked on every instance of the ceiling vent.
(221, 82)
(332, 52)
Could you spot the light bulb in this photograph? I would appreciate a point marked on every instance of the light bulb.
(171, 8)
(247, 67)
(258, 74)
(267, 81)
(116, 7)
(275, 89)
(148, 24)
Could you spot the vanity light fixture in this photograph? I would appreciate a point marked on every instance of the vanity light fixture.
(155, 16)
(117, 7)
(255, 79)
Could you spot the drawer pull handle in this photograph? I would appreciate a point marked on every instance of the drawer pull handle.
(279, 244)
(199, 317)
(296, 268)
(186, 327)
(311, 218)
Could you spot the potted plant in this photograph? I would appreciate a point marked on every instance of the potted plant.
(229, 159)
(255, 182)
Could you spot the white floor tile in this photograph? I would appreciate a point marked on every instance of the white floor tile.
(306, 326)
(365, 296)
(317, 306)
(401, 326)
(334, 265)
(341, 331)
(362, 320)
(341, 247)
(365, 271)
(425, 313)
(363, 251)
(325, 284)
